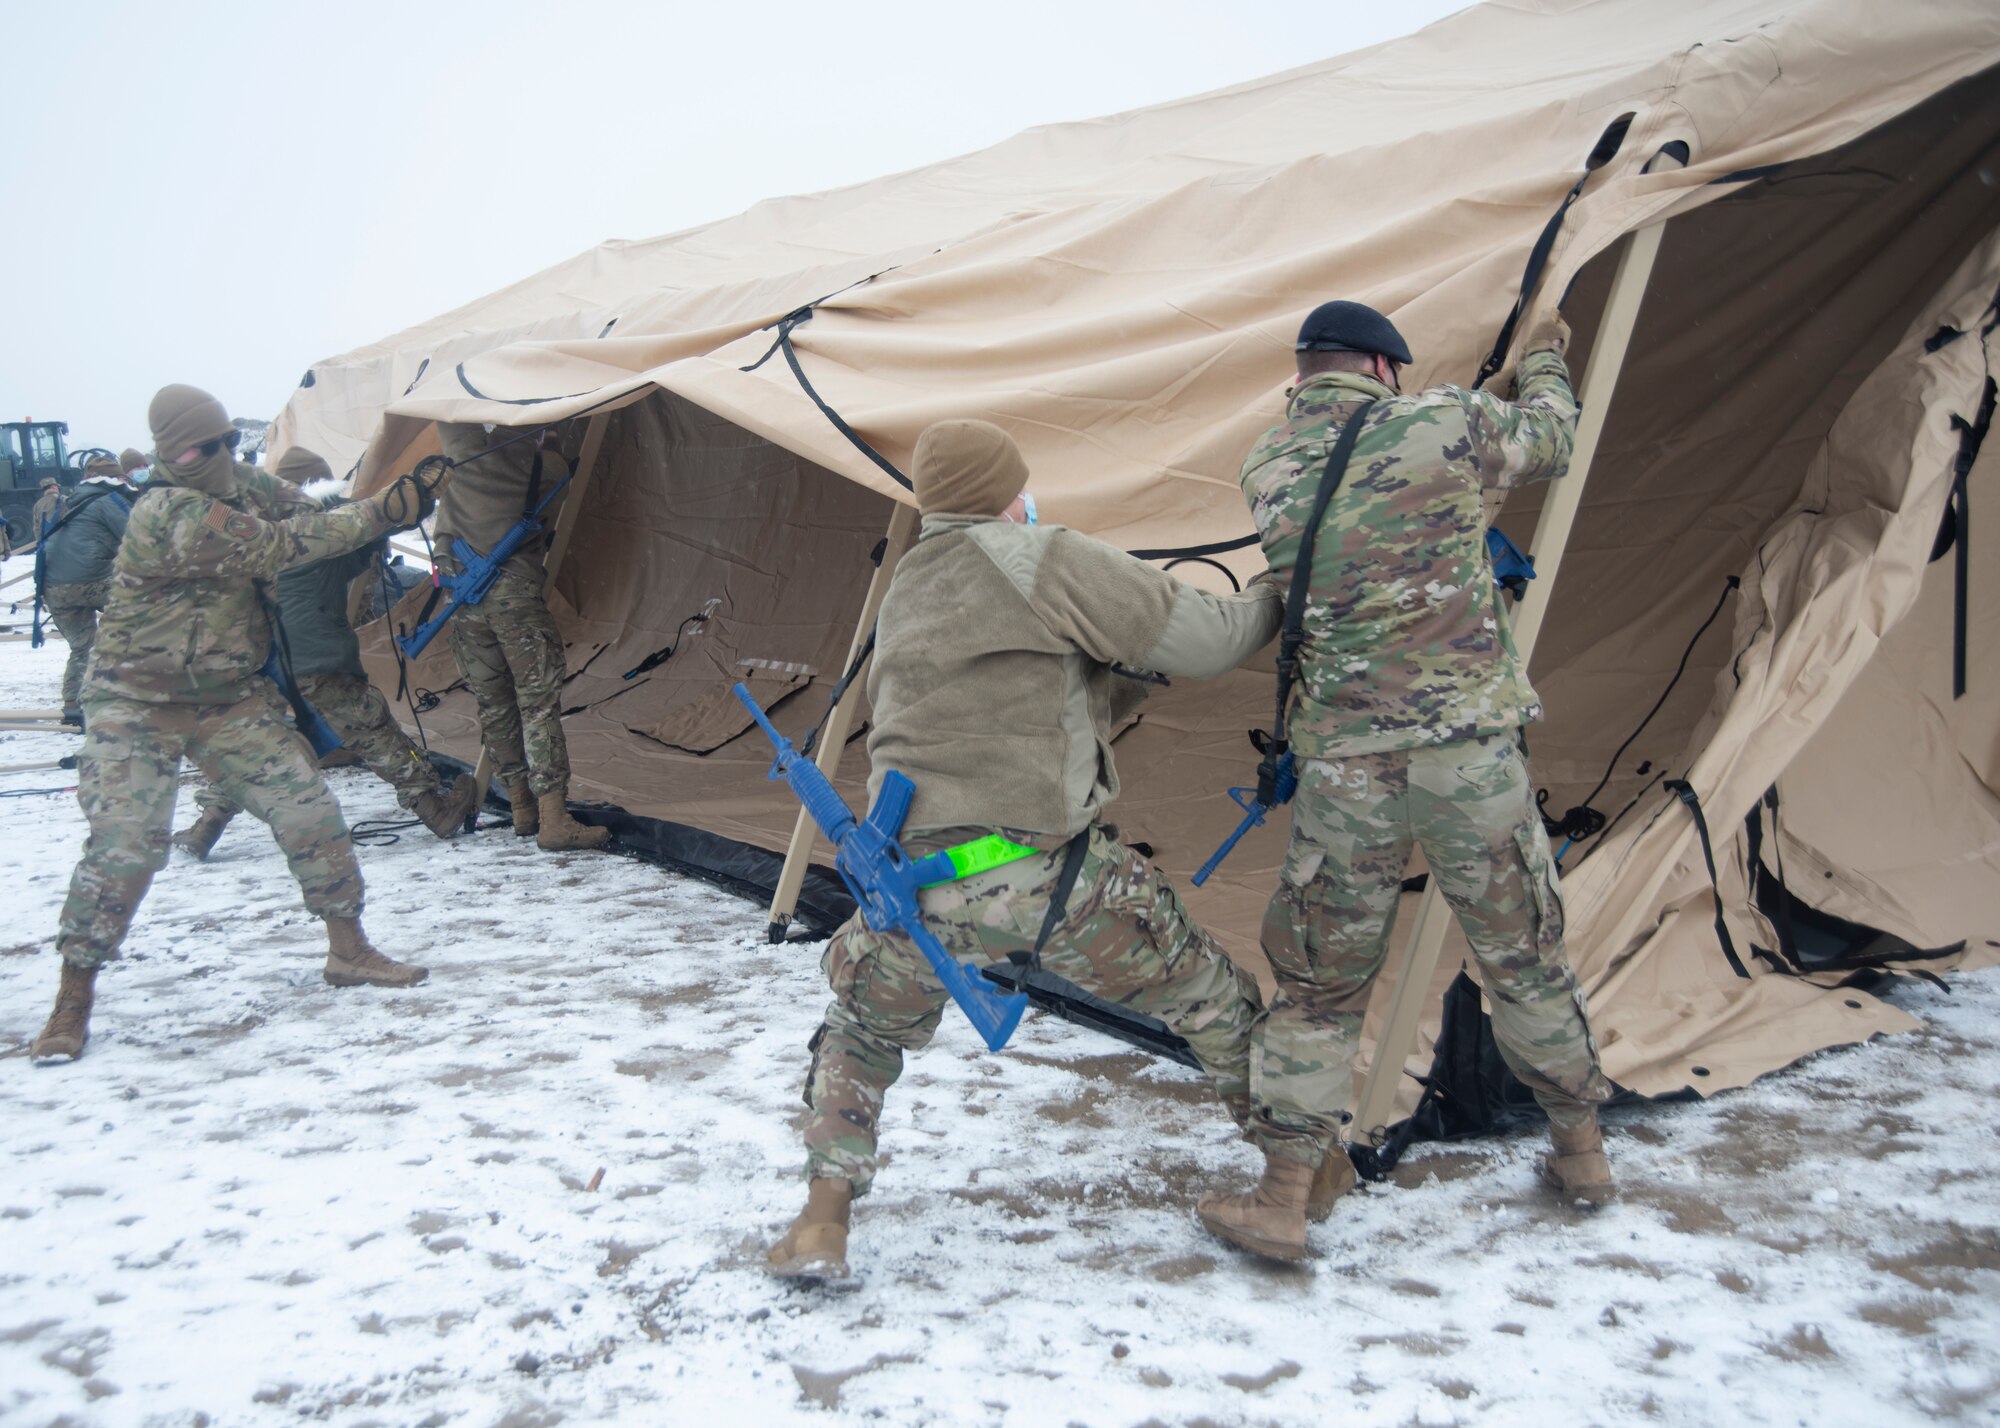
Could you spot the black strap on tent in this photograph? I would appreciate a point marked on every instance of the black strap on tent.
(1971, 435)
(839, 689)
(1787, 958)
(1584, 821)
(1685, 792)
(1293, 637)
(1538, 256)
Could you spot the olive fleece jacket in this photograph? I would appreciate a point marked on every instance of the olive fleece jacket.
(992, 687)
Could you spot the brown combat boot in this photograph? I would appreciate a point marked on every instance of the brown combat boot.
(444, 811)
(1271, 1219)
(815, 1247)
(560, 832)
(69, 1023)
(1576, 1169)
(352, 962)
(198, 838)
(527, 814)
(1334, 1178)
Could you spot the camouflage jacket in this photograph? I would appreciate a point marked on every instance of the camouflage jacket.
(1406, 641)
(189, 617)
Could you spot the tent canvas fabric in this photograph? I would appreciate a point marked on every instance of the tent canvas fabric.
(1121, 295)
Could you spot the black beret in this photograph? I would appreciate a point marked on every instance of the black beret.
(1352, 327)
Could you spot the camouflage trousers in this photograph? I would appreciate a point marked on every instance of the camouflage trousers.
(356, 711)
(511, 654)
(74, 608)
(1125, 937)
(1470, 806)
(128, 774)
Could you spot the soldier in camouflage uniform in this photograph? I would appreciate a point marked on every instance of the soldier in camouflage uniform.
(993, 688)
(1407, 718)
(48, 507)
(73, 568)
(507, 646)
(176, 672)
(325, 660)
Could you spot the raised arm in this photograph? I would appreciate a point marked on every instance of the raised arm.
(1529, 438)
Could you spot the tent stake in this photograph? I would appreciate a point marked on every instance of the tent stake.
(833, 742)
(586, 464)
(1419, 964)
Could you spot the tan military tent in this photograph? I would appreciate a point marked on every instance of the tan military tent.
(1121, 295)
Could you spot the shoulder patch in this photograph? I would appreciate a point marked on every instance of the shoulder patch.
(233, 524)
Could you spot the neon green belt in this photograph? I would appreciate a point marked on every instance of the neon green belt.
(981, 855)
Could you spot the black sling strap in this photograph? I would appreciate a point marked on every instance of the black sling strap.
(1059, 895)
(1294, 636)
(1685, 792)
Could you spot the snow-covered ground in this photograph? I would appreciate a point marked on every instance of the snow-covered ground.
(258, 1200)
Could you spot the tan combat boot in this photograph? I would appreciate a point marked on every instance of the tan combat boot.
(527, 816)
(1334, 1178)
(815, 1247)
(198, 838)
(1576, 1168)
(444, 811)
(560, 832)
(1271, 1219)
(69, 1023)
(352, 962)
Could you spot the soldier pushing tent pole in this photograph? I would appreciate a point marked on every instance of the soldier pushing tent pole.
(1607, 358)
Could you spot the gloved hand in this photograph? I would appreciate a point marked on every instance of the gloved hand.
(1547, 333)
(410, 499)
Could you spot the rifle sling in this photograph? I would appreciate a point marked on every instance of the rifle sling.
(1294, 633)
(1059, 895)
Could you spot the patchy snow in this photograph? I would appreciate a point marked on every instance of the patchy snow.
(258, 1200)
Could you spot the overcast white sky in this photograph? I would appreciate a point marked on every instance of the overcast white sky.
(224, 193)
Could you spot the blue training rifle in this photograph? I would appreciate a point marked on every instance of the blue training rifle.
(318, 732)
(1512, 570)
(475, 576)
(1254, 812)
(884, 879)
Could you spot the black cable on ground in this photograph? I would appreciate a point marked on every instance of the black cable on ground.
(381, 832)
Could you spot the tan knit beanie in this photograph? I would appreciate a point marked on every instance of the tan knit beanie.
(182, 416)
(130, 460)
(967, 468)
(302, 467)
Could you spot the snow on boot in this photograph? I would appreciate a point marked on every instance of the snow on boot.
(1576, 1168)
(1271, 1219)
(815, 1247)
(352, 962)
(198, 839)
(1334, 1178)
(527, 815)
(444, 811)
(69, 1023)
(561, 832)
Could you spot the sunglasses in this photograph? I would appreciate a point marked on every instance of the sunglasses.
(208, 450)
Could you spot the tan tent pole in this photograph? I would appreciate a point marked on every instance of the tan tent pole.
(1607, 358)
(572, 506)
(833, 741)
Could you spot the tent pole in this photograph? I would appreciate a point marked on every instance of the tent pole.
(572, 507)
(1607, 357)
(833, 742)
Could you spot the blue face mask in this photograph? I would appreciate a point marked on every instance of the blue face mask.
(1028, 514)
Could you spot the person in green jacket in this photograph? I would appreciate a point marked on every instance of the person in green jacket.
(178, 673)
(326, 662)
